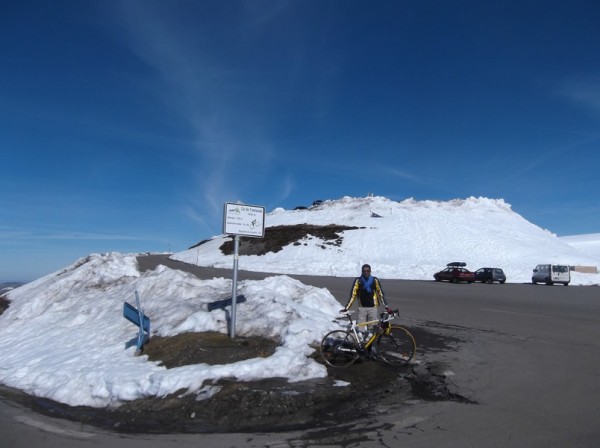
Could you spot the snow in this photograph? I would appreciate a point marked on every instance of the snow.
(410, 240)
(587, 244)
(64, 338)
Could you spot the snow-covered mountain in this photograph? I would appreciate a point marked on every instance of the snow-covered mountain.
(405, 240)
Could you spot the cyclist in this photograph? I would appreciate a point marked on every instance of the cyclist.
(367, 289)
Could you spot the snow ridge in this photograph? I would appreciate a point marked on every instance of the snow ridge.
(407, 240)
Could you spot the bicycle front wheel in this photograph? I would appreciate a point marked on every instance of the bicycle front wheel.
(338, 348)
(397, 347)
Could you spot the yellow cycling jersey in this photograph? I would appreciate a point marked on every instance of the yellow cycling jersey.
(366, 298)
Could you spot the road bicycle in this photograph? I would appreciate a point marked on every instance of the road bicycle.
(392, 344)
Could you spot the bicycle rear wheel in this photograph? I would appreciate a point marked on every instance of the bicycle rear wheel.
(338, 348)
(397, 347)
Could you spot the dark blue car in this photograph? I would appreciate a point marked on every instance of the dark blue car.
(490, 275)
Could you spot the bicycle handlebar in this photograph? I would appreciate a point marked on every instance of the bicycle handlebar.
(386, 316)
(389, 314)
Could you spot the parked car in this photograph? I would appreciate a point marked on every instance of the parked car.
(490, 275)
(551, 273)
(454, 273)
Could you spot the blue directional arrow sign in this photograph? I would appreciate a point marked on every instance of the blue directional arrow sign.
(138, 318)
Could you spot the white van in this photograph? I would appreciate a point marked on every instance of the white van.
(551, 273)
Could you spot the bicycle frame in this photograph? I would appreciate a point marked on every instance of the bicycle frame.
(391, 344)
(382, 328)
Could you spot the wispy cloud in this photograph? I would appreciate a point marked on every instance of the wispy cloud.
(287, 187)
(289, 184)
(193, 214)
(407, 176)
(9, 235)
(207, 93)
(582, 90)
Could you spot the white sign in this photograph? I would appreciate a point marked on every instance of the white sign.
(245, 220)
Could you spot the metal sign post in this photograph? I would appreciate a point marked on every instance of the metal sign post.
(246, 220)
(236, 257)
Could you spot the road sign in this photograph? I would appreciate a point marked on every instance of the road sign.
(244, 220)
(241, 220)
(137, 317)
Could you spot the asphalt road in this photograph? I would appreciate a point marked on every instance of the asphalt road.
(526, 357)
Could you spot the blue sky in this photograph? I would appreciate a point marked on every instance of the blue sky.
(126, 125)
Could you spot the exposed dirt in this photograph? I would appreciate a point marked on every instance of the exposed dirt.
(208, 348)
(277, 237)
(3, 304)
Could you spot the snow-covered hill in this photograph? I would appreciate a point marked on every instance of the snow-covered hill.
(407, 240)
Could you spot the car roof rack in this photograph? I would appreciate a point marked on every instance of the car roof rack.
(457, 264)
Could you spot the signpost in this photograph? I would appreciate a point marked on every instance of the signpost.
(137, 317)
(245, 220)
